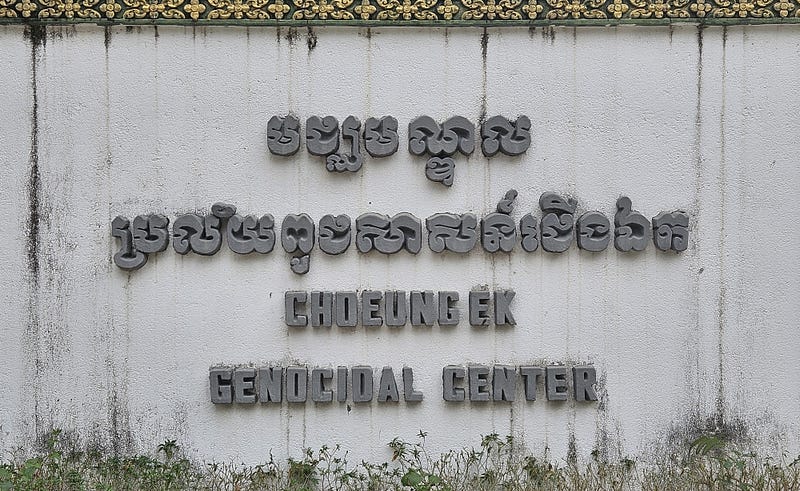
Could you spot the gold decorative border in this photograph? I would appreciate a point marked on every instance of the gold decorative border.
(398, 12)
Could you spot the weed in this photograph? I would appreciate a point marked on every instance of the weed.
(497, 463)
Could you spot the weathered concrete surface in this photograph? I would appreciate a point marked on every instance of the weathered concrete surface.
(99, 122)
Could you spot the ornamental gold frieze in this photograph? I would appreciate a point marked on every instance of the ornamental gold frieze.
(398, 12)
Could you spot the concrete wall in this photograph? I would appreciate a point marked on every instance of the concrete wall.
(99, 122)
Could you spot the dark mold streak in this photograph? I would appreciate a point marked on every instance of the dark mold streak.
(291, 36)
(698, 177)
(680, 436)
(107, 39)
(549, 34)
(484, 51)
(120, 434)
(572, 447)
(311, 39)
(602, 437)
(721, 300)
(37, 35)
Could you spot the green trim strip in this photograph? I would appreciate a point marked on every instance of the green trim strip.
(400, 12)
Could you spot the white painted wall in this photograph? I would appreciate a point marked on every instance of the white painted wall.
(139, 120)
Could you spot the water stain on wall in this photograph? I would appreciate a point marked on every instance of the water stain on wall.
(721, 301)
(549, 34)
(291, 36)
(693, 344)
(484, 55)
(37, 37)
(311, 39)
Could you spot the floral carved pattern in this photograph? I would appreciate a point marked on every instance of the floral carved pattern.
(387, 12)
(153, 9)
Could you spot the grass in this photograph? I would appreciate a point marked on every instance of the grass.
(708, 463)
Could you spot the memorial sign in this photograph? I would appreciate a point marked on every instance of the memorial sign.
(557, 230)
(262, 239)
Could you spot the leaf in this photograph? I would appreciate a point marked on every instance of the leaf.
(706, 444)
(411, 478)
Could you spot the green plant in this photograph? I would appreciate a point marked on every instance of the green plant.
(497, 463)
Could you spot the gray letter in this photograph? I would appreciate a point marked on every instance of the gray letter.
(420, 131)
(449, 315)
(449, 390)
(557, 232)
(202, 235)
(479, 308)
(127, 258)
(502, 308)
(583, 379)
(334, 234)
(297, 233)
(297, 238)
(529, 230)
(270, 384)
(455, 233)
(220, 385)
(283, 135)
(321, 309)
(500, 134)
(388, 236)
(632, 228)
(504, 383)
(388, 386)
(441, 169)
(456, 129)
(670, 231)
(423, 308)
(498, 233)
(291, 301)
(150, 233)
(248, 234)
(556, 383)
(506, 205)
(479, 383)
(318, 391)
(409, 394)
(344, 161)
(558, 222)
(341, 384)
(380, 136)
(594, 231)
(396, 313)
(244, 383)
(531, 375)
(498, 230)
(184, 229)
(322, 135)
(370, 306)
(346, 309)
(457, 134)
(362, 384)
(296, 384)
